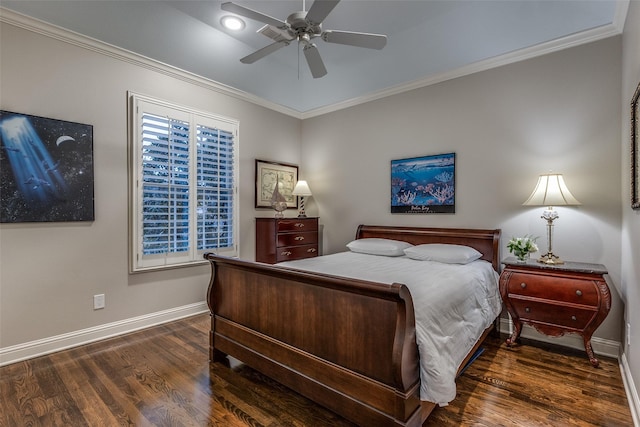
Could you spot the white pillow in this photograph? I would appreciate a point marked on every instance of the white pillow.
(449, 254)
(373, 246)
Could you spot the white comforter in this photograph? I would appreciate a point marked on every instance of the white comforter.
(453, 305)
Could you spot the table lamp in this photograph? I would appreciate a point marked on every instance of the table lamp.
(301, 189)
(550, 191)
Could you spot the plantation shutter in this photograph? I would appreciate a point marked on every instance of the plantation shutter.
(165, 185)
(215, 188)
(184, 166)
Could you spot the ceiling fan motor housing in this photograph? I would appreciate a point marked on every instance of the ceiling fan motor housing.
(299, 25)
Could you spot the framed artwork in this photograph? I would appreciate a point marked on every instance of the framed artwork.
(635, 153)
(423, 184)
(268, 175)
(46, 169)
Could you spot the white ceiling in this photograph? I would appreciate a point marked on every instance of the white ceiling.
(428, 40)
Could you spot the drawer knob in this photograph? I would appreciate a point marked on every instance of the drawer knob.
(285, 253)
(299, 238)
(523, 285)
(527, 309)
(579, 292)
(311, 250)
(299, 224)
(574, 318)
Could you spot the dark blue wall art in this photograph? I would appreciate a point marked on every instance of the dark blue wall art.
(46, 169)
(423, 184)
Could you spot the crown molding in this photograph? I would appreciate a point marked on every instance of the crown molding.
(622, 7)
(67, 36)
(567, 42)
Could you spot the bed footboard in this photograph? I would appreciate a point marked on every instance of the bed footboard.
(346, 344)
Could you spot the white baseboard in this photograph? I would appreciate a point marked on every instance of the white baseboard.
(631, 390)
(48, 345)
(600, 346)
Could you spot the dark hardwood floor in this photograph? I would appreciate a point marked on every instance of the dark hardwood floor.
(161, 377)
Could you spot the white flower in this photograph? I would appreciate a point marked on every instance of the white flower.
(521, 246)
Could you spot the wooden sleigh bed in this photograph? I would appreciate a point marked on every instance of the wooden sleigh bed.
(348, 345)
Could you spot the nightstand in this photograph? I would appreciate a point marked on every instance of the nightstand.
(556, 299)
(286, 239)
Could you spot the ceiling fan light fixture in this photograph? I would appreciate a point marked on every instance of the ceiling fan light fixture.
(232, 23)
(303, 26)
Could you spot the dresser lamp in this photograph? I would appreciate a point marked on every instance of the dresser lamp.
(550, 191)
(301, 189)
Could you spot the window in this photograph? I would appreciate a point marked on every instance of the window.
(183, 179)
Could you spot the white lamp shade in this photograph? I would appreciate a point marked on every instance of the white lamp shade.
(551, 191)
(301, 189)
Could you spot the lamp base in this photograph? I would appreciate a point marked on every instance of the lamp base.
(550, 259)
(301, 212)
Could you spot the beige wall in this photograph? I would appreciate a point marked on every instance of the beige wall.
(50, 272)
(630, 218)
(506, 125)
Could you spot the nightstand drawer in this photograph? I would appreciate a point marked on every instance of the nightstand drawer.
(537, 311)
(296, 239)
(297, 224)
(296, 252)
(554, 299)
(557, 288)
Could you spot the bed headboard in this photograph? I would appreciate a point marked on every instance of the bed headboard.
(486, 242)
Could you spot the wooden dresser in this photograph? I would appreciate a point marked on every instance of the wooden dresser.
(286, 239)
(556, 299)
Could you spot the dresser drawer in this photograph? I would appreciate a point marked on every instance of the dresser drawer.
(286, 239)
(556, 288)
(296, 252)
(297, 224)
(538, 311)
(297, 239)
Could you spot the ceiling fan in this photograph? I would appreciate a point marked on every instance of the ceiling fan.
(304, 27)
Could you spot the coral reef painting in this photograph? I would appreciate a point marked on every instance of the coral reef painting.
(423, 184)
(46, 169)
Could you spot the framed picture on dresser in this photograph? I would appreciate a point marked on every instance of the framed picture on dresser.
(268, 175)
(635, 154)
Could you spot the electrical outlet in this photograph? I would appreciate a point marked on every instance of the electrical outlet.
(628, 334)
(98, 301)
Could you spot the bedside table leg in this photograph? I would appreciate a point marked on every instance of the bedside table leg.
(592, 358)
(517, 328)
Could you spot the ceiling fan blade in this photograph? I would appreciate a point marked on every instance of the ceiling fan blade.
(314, 60)
(370, 41)
(252, 14)
(261, 53)
(320, 9)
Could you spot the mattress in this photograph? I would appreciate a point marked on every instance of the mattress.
(453, 305)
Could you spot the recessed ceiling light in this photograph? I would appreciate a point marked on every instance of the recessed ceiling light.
(232, 23)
